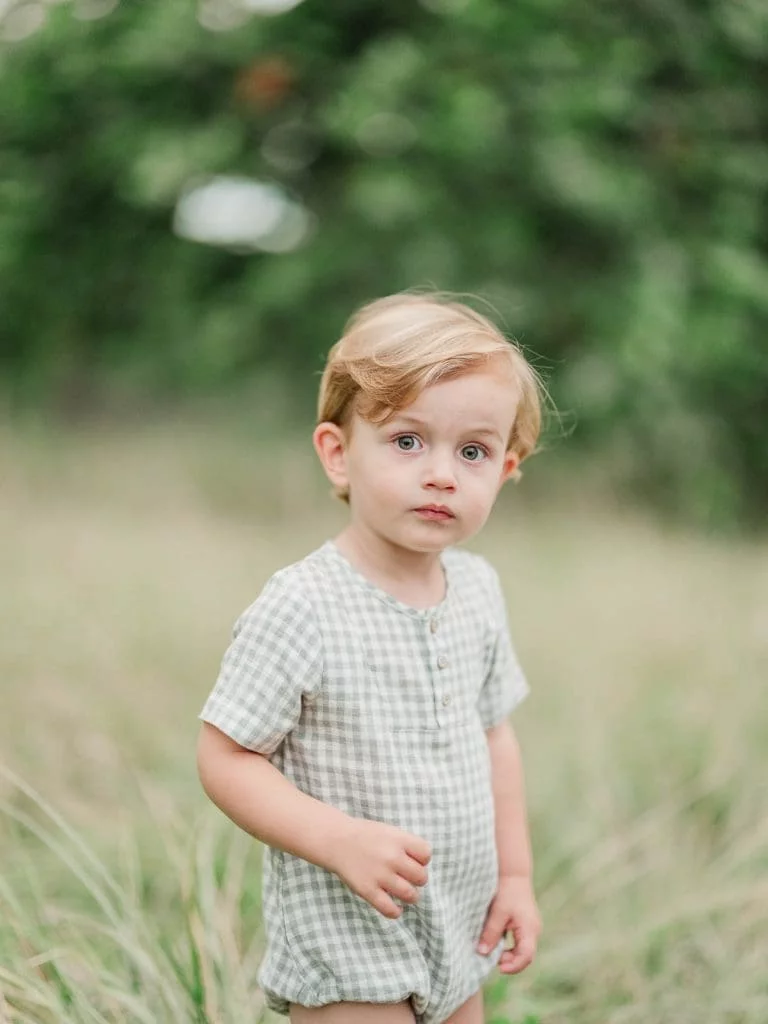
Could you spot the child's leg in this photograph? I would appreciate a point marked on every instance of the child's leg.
(470, 1012)
(353, 1013)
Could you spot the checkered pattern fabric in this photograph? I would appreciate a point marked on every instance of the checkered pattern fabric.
(379, 709)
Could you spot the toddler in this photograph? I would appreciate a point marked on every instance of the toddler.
(359, 723)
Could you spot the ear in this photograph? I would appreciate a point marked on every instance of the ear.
(331, 447)
(509, 467)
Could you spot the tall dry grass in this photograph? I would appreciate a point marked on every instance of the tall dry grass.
(127, 554)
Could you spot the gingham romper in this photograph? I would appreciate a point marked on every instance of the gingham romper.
(379, 709)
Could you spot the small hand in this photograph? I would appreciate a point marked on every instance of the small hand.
(380, 861)
(513, 909)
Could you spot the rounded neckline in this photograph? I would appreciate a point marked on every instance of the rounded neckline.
(430, 612)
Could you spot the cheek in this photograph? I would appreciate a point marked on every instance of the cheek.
(375, 473)
(481, 488)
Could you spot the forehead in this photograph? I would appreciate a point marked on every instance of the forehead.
(488, 393)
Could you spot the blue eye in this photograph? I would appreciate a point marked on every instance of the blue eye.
(474, 453)
(407, 443)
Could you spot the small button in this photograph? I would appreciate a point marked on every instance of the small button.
(433, 624)
(442, 661)
(446, 700)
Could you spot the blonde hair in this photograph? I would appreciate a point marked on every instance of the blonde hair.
(394, 347)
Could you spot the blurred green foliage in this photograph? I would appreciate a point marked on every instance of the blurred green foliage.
(596, 171)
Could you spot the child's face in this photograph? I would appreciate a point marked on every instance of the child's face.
(429, 476)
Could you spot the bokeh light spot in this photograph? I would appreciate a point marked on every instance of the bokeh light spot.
(22, 21)
(386, 134)
(91, 10)
(221, 15)
(240, 213)
(270, 6)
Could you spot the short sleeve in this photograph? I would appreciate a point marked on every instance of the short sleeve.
(505, 685)
(272, 663)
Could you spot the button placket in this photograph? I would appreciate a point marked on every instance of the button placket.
(440, 662)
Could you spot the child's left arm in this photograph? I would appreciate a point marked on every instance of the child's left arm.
(513, 908)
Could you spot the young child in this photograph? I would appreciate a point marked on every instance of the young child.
(358, 726)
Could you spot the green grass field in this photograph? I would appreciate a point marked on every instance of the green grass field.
(126, 556)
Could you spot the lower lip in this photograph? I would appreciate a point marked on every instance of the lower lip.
(430, 513)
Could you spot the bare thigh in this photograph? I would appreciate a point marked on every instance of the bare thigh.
(470, 1012)
(353, 1013)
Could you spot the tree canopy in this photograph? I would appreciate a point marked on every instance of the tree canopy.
(596, 172)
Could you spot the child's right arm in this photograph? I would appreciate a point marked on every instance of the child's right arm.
(376, 860)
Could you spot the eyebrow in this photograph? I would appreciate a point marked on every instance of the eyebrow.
(481, 430)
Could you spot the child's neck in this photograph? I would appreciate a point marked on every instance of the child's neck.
(413, 577)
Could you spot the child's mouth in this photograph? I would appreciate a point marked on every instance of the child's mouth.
(433, 512)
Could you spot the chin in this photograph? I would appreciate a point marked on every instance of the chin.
(433, 540)
(412, 542)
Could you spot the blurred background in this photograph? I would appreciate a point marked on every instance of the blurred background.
(194, 197)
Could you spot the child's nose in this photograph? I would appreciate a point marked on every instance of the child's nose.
(440, 473)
